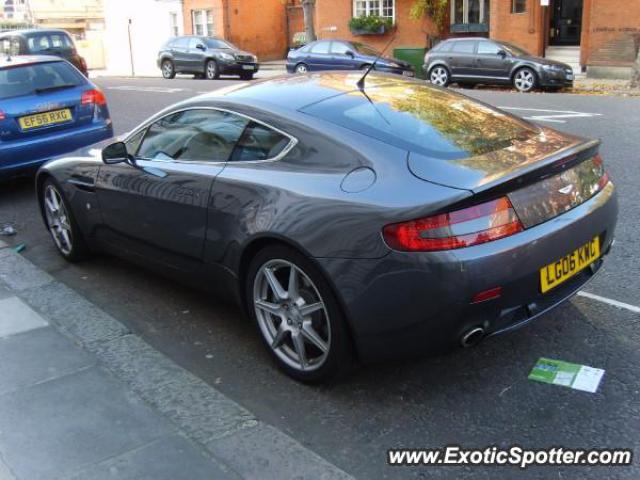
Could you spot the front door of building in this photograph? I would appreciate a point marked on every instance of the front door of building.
(566, 22)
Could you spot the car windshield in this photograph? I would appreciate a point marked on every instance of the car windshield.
(37, 78)
(49, 42)
(365, 49)
(422, 119)
(515, 50)
(217, 43)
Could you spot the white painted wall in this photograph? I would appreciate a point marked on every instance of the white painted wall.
(150, 28)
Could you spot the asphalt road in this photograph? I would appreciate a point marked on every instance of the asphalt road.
(474, 398)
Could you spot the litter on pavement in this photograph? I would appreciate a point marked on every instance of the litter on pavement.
(572, 375)
(7, 231)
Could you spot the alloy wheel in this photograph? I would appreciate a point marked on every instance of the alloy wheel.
(302, 68)
(524, 80)
(292, 315)
(439, 76)
(167, 69)
(58, 220)
(212, 70)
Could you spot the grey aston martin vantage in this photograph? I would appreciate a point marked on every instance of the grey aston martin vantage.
(350, 221)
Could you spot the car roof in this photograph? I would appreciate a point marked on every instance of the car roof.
(31, 31)
(461, 39)
(20, 60)
(294, 92)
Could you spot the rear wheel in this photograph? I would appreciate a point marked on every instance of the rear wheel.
(297, 314)
(302, 68)
(525, 80)
(211, 70)
(439, 76)
(168, 69)
(61, 224)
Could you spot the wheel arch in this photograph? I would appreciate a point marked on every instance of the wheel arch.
(519, 67)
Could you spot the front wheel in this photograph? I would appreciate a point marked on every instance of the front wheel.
(525, 80)
(302, 68)
(61, 224)
(211, 70)
(168, 69)
(439, 76)
(298, 315)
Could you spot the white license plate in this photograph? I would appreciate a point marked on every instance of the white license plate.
(408, 73)
(247, 67)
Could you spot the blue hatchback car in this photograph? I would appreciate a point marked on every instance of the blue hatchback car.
(342, 55)
(47, 108)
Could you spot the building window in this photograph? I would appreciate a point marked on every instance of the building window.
(202, 22)
(518, 6)
(469, 12)
(381, 8)
(173, 21)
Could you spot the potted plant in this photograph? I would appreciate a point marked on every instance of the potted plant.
(370, 25)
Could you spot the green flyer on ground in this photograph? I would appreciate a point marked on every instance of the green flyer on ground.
(573, 375)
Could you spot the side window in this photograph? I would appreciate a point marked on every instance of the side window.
(443, 47)
(194, 42)
(193, 135)
(320, 47)
(340, 48)
(259, 142)
(5, 46)
(464, 46)
(14, 46)
(181, 43)
(488, 48)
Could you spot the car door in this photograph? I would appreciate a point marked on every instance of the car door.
(342, 56)
(319, 56)
(157, 208)
(179, 49)
(195, 55)
(492, 62)
(462, 58)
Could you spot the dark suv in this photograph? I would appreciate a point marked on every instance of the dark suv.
(469, 61)
(42, 42)
(206, 57)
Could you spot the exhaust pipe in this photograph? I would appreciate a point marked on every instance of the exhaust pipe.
(472, 337)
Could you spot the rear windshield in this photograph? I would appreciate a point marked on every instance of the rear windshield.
(37, 78)
(423, 119)
(48, 42)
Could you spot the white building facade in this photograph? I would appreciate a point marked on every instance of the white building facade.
(134, 32)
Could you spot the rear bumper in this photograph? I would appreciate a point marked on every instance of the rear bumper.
(409, 304)
(22, 155)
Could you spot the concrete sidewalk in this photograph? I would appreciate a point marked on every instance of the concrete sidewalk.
(82, 397)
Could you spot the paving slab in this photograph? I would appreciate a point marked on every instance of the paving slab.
(38, 356)
(53, 428)
(169, 458)
(18, 273)
(17, 317)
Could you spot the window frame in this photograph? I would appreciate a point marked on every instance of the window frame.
(513, 7)
(174, 25)
(206, 12)
(293, 141)
(368, 10)
(483, 15)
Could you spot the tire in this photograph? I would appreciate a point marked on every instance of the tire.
(285, 327)
(168, 69)
(61, 223)
(246, 76)
(211, 70)
(301, 68)
(525, 80)
(440, 76)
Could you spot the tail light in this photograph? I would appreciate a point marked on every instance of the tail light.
(2, 115)
(93, 97)
(604, 175)
(461, 228)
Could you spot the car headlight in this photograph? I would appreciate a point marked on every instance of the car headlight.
(552, 68)
(227, 56)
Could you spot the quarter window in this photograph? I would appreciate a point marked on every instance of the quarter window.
(518, 6)
(380, 8)
(202, 22)
(193, 135)
(259, 142)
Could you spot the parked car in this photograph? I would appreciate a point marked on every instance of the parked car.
(42, 42)
(206, 57)
(390, 221)
(342, 55)
(47, 108)
(470, 61)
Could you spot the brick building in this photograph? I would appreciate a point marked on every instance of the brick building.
(600, 36)
(259, 26)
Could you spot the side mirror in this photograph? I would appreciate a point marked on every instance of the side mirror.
(502, 53)
(349, 53)
(115, 153)
(200, 46)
